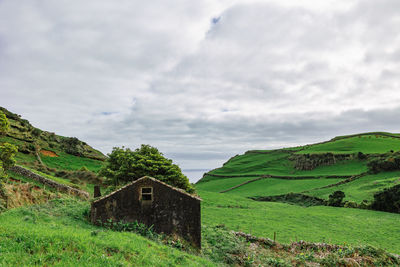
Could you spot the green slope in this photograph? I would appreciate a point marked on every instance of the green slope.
(292, 222)
(219, 185)
(281, 162)
(57, 234)
(271, 186)
(69, 153)
(64, 159)
(367, 144)
(363, 188)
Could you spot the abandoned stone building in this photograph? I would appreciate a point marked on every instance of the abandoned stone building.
(147, 200)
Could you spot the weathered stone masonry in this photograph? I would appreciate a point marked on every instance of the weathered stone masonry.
(47, 182)
(169, 210)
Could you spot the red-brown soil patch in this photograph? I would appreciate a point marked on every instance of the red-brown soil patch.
(14, 180)
(48, 153)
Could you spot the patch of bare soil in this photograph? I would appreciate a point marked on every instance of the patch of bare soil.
(48, 153)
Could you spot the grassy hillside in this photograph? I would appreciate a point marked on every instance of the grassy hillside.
(66, 160)
(278, 163)
(270, 187)
(344, 157)
(363, 188)
(367, 144)
(57, 233)
(281, 162)
(292, 222)
(55, 151)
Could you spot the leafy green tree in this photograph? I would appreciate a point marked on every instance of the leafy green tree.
(124, 165)
(7, 153)
(4, 123)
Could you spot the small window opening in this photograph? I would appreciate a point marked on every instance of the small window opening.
(147, 193)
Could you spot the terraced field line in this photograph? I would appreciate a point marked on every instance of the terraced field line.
(282, 176)
(267, 176)
(239, 185)
(351, 179)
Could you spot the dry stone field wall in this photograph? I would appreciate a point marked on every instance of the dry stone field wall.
(47, 182)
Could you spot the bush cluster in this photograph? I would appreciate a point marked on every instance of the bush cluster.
(387, 200)
(384, 162)
(71, 146)
(336, 199)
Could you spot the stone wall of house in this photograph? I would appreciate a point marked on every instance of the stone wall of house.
(169, 212)
(47, 182)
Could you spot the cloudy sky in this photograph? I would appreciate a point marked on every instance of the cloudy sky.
(202, 80)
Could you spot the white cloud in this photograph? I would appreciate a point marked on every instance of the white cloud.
(266, 74)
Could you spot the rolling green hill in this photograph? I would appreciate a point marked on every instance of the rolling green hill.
(313, 170)
(57, 151)
(339, 160)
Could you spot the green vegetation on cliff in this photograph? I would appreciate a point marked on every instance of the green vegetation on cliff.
(63, 159)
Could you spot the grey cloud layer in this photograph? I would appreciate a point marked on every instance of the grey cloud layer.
(266, 74)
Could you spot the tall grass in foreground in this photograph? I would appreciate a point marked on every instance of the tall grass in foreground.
(57, 234)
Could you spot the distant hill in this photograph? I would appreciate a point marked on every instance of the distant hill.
(287, 192)
(342, 163)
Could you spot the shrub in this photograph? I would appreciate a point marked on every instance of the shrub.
(36, 132)
(336, 199)
(4, 123)
(361, 156)
(7, 154)
(84, 169)
(350, 204)
(384, 162)
(221, 245)
(365, 204)
(387, 200)
(71, 146)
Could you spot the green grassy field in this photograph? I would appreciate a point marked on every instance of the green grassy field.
(277, 162)
(291, 222)
(57, 234)
(223, 184)
(366, 144)
(363, 188)
(70, 162)
(271, 186)
(262, 164)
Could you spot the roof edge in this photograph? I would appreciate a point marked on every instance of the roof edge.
(153, 179)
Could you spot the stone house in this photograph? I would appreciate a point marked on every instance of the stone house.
(147, 200)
